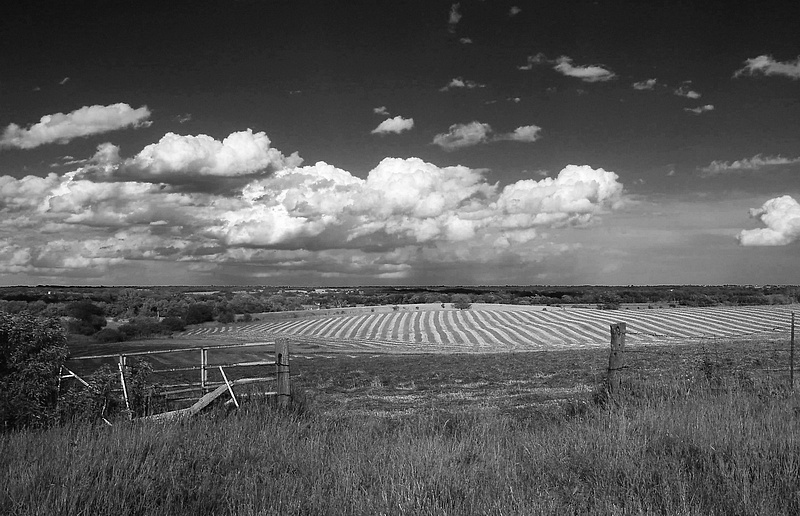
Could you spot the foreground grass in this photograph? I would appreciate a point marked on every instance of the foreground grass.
(705, 451)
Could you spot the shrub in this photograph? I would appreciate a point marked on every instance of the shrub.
(109, 335)
(32, 351)
(226, 317)
(88, 317)
(141, 328)
(199, 313)
(461, 302)
(173, 324)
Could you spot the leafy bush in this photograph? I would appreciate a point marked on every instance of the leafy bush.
(461, 301)
(109, 335)
(32, 351)
(226, 317)
(173, 324)
(87, 404)
(88, 317)
(142, 328)
(199, 313)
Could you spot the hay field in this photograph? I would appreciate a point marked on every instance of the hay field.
(498, 328)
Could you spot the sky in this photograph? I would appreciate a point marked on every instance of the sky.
(418, 142)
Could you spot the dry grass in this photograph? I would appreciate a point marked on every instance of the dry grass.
(695, 432)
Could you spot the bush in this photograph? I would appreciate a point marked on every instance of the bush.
(109, 335)
(226, 317)
(461, 302)
(88, 317)
(142, 328)
(199, 313)
(173, 324)
(32, 351)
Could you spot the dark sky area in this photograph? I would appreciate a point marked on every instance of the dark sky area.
(417, 142)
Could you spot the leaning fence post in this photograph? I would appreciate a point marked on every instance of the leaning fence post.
(282, 371)
(123, 364)
(615, 357)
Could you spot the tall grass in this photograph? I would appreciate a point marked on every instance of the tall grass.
(673, 451)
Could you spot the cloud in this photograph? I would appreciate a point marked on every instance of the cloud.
(380, 110)
(459, 82)
(397, 125)
(474, 133)
(781, 215)
(454, 17)
(684, 91)
(240, 153)
(514, 11)
(86, 121)
(757, 162)
(564, 66)
(589, 73)
(525, 133)
(297, 220)
(534, 60)
(649, 84)
(700, 109)
(767, 65)
(460, 136)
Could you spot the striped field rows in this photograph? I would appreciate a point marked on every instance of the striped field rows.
(503, 328)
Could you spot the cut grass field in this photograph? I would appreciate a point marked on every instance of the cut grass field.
(492, 328)
(696, 431)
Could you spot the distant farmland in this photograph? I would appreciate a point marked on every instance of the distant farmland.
(489, 328)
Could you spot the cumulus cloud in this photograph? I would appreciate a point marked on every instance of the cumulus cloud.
(86, 121)
(648, 84)
(684, 91)
(767, 65)
(454, 17)
(466, 135)
(395, 125)
(564, 66)
(460, 136)
(240, 153)
(297, 219)
(757, 162)
(459, 82)
(781, 216)
(586, 73)
(381, 110)
(699, 110)
(525, 133)
(534, 60)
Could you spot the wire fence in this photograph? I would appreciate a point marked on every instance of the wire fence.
(754, 356)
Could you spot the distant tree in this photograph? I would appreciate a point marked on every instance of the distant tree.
(461, 301)
(173, 324)
(88, 318)
(226, 317)
(199, 313)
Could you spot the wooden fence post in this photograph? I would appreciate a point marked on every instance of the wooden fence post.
(791, 358)
(615, 358)
(203, 369)
(282, 371)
